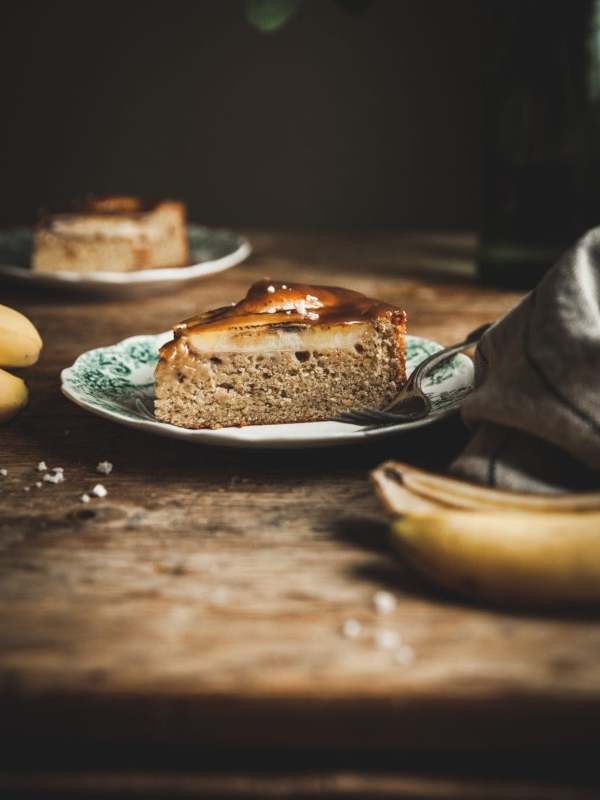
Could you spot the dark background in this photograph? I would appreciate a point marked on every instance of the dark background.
(337, 121)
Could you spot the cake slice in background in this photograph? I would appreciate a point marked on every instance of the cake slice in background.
(285, 353)
(115, 234)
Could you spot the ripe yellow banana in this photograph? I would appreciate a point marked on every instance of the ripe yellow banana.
(503, 547)
(13, 395)
(20, 343)
(508, 558)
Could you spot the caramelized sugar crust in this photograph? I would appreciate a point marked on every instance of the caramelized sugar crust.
(271, 305)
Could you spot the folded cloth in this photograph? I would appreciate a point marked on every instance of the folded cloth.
(535, 409)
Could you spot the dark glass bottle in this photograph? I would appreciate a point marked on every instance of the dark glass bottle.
(541, 134)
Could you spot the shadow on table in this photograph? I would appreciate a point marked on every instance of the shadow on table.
(389, 572)
(151, 458)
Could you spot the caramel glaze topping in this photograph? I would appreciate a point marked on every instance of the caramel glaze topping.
(120, 206)
(288, 306)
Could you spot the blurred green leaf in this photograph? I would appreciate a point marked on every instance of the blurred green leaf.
(354, 6)
(270, 15)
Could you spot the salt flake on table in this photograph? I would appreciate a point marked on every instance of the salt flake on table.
(404, 655)
(104, 467)
(54, 477)
(387, 639)
(99, 490)
(384, 602)
(351, 628)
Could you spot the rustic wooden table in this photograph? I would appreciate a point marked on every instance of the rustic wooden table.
(182, 636)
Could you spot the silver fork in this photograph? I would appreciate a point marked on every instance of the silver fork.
(411, 402)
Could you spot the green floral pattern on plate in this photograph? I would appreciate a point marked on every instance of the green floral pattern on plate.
(112, 379)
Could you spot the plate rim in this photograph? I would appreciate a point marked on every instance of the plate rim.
(141, 277)
(219, 437)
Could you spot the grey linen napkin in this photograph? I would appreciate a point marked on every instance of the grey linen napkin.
(535, 409)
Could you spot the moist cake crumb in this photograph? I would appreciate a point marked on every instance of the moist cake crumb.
(300, 355)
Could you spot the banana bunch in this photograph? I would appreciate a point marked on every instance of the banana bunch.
(500, 547)
(20, 346)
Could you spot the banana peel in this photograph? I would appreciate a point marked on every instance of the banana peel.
(500, 547)
(393, 480)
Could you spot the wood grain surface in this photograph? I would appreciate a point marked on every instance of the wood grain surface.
(200, 604)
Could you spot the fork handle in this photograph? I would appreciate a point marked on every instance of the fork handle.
(441, 356)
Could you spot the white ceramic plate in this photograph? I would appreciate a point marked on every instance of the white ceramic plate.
(211, 249)
(109, 381)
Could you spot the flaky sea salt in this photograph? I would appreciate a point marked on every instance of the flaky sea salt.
(386, 639)
(270, 289)
(104, 467)
(99, 490)
(312, 315)
(85, 498)
(41, 467)
(351, 628)
(3, 472)
(300, 306)
(384, 602)
(38, 484)
(404, 655)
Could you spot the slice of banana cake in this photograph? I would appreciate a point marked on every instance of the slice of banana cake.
(113, 233)
(285, 353)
